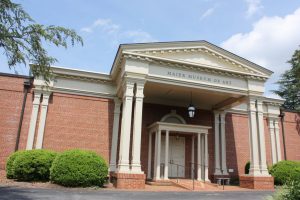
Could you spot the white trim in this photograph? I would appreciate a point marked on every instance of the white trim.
(149, 156)
(33, 119)
(123, 164)
(184, 128)
(115, 135)
(137, 129)
(174, 115)
(42, 121)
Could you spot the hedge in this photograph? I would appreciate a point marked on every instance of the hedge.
(79, 168)
(285, 171)
(10, 164)
(33, 165)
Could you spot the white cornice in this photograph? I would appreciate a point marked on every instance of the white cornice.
(82, 75)
(192, 66)
(274, 102)
(186, 46)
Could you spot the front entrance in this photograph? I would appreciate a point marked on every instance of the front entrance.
(176, 156)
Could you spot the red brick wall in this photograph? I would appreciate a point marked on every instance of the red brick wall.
(237, 142)
(11, 100)
(75, 121)
(292, 135)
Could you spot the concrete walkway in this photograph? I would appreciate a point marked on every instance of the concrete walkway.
(8, 193)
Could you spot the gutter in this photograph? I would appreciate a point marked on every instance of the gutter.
(27, 83)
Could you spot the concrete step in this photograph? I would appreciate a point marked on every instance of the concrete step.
(160, 183)
(196, 186)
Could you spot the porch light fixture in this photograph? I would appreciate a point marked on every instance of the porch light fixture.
(191, 109)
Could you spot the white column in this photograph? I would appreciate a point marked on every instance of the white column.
(277, 139)
(254, 159)
(206, 157)
(223, 143)
(193, 157)
(261, 135)
(149, 156)
(157, 155)
(217, 144)
(34, 114)
(199, 164)
(273, 143)
(115, 134)
(42, 121)
(123, 165)
(137, 129)
(166, 170)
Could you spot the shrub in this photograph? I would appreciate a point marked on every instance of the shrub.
(285, 171)
(33, 165)
(79, 168)
(10, 163)
(289, 191)
(247, 167)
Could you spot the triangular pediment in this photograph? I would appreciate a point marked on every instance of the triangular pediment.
(200, 53)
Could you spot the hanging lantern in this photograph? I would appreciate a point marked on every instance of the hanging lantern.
(191, 109)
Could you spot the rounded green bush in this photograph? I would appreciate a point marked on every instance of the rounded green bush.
(10, 163)
(247, 167)
(33, 165)
(79, 168)
(285, 171)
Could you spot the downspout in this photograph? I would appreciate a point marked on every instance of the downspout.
(282, 114)
(26, 88)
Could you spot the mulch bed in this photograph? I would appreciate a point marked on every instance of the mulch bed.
(4, 182)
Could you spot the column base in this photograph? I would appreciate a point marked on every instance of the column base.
(257, 182)
(216, 176)
(136, 169)
(128, 181)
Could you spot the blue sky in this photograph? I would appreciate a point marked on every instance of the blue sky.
(263, 31)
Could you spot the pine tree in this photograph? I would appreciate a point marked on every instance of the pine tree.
(289, 84)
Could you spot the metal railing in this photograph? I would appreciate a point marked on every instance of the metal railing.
(193, 168)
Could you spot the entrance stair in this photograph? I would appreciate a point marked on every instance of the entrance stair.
(196, 186)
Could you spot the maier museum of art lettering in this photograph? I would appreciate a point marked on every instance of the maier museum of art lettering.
(188, 110)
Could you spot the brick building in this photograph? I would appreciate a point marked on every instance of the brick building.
(166, 110)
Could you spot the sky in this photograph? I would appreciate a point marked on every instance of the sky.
(266, 32)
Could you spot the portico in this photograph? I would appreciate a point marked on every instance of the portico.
(169, 74)
(199, 132)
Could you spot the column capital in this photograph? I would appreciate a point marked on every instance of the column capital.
(37, 97)
(222, 117)
(46, 97)
(276, 124)
(117, 109)
(128, 87)
(139, 93)
(251, 104)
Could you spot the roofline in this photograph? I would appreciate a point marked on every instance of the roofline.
(273, 100)
(154, 44)
(81, 73)
(15, 75)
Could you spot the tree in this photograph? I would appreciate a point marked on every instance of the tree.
(289, 84)
(22, 39)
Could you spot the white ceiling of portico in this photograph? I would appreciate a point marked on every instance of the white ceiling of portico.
(181, 96)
